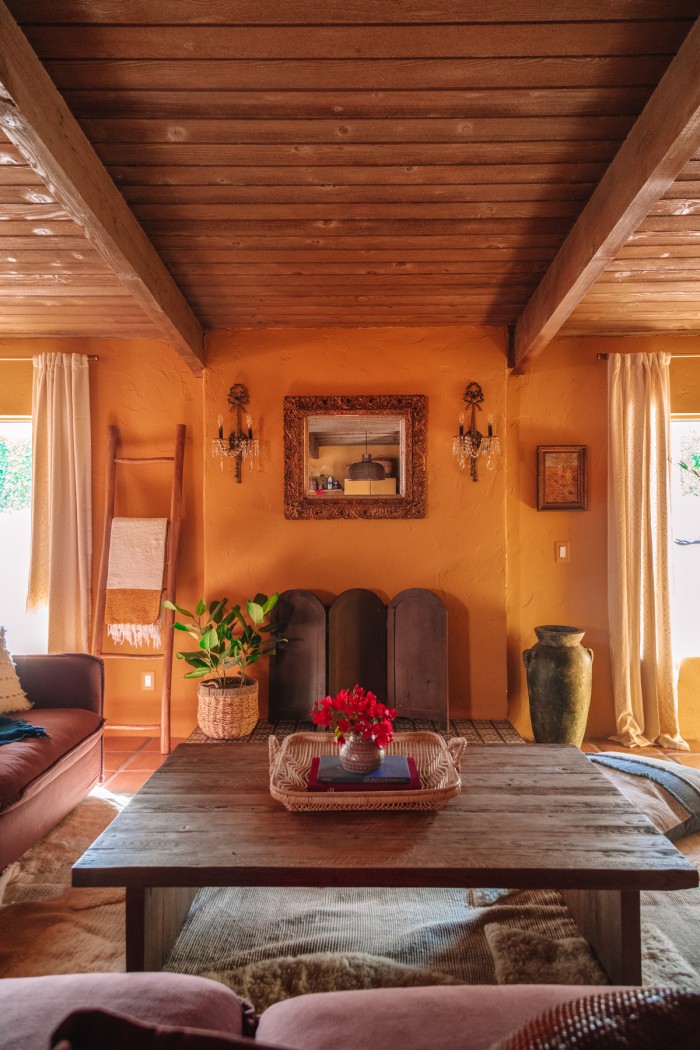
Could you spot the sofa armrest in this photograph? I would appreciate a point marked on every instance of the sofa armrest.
(63, 680)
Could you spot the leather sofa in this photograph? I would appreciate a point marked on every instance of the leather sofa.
(43, 778)
(201, 1014)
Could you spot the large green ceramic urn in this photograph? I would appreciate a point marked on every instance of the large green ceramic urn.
(559, 676)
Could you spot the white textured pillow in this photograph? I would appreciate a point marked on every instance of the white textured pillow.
(12, 695)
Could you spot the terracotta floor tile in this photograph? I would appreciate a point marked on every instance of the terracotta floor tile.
(589, 746)
(609, 745)
(603, 744)
(117, 742)
(127, 783)
(147, 761)
(114, 759)
(684, 759)
(154, 743)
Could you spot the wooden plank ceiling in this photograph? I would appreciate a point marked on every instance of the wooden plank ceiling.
(353, 162)
(52, 281)
(654, 283)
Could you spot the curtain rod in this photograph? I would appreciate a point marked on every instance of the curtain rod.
(674, 357)
(90, 357)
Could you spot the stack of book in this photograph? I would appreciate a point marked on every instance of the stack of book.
(396, 773)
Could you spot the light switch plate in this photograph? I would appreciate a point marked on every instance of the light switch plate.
(561, 550)
(148, 680)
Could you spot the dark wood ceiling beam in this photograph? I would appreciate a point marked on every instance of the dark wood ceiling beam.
(36, 119)
(399, 174)
(405, 246)
(374, 74)
(475, 273)
(331, 194)
(663, 139)
(370, 42)
(296, 130)
(336, 155)
(353, 105)
(345, 12)
(385, 230)
(422, 283)
(188, 214)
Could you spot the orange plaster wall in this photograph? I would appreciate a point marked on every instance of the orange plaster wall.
(563, 400)
(15, 384)
(142, 387)
(457, 550)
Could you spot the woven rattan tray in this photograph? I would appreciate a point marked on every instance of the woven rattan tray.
(437, 763)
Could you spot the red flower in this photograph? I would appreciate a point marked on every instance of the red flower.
(356, 711)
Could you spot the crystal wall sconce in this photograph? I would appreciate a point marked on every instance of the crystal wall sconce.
(240, 443)
(469, 444)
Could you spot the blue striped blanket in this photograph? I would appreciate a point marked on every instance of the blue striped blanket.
(682, 783)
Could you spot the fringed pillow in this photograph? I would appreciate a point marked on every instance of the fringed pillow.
(12, 695)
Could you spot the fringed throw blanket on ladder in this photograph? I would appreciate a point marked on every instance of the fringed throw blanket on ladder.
(135, 580)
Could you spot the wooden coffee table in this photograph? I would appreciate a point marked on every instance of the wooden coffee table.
(539, 816)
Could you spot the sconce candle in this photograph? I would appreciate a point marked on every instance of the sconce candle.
(466, 448)
(237, 446)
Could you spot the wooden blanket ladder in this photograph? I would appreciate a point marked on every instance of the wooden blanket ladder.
(172, 543)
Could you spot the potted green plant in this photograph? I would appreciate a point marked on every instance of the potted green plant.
(227, 638)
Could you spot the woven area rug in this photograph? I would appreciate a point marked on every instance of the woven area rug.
(474, 730)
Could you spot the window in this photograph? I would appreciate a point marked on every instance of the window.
(26, 633)
(685, 503)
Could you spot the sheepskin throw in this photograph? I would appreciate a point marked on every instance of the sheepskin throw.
(135, 580)
(12, 695)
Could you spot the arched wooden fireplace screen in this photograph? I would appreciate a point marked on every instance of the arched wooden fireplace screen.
(399, 651)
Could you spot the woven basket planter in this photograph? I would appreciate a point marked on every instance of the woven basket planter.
(224, 714)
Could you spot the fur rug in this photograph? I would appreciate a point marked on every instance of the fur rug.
(523, 957)
(45, 870)
(46, 927)
(271, 980)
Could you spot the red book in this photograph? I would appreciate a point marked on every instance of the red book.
(360, 782)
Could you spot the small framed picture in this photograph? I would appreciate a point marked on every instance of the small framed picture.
(562, 477)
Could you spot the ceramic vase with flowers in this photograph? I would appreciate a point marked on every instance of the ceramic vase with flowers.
(362, 726)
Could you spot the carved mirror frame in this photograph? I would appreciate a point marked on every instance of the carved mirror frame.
(300, 504)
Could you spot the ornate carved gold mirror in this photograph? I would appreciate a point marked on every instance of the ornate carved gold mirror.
(354, 457)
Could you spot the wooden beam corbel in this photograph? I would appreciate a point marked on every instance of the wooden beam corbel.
(36, 119)
(663, 139)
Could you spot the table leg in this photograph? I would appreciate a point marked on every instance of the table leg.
(154, 918)
(610, 922)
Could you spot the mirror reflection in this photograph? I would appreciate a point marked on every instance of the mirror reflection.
(354, 455)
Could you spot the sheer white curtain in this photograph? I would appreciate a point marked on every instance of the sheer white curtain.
(639, 537)
(61, 499)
